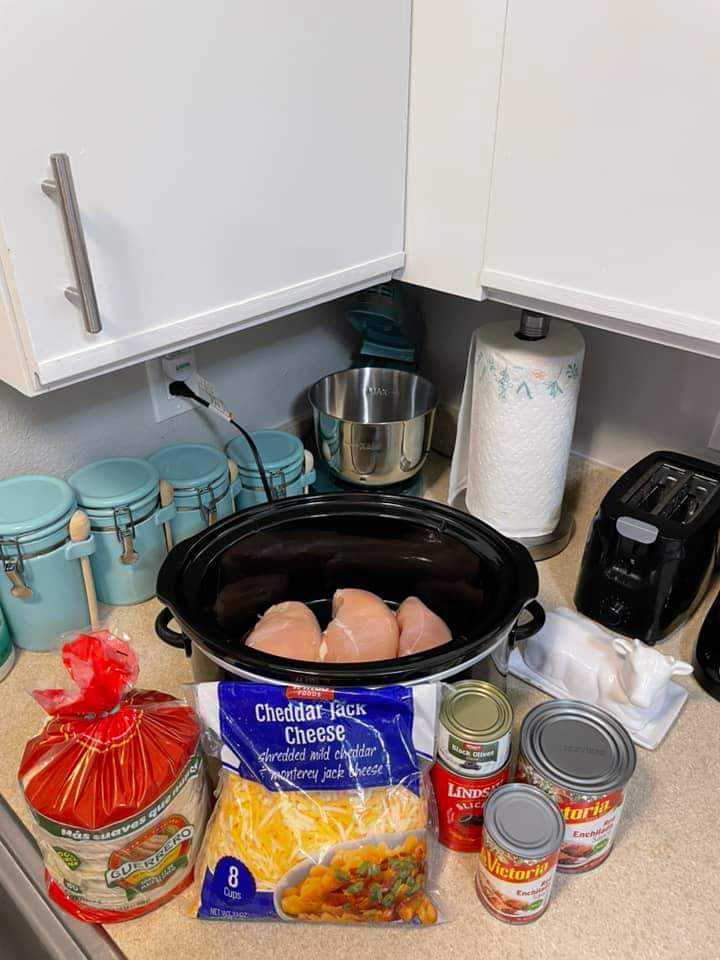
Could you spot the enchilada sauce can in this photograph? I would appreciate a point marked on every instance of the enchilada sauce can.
(582, 758)
(461, 802)
(522, 833)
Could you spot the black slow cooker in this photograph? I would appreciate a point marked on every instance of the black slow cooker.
(217, 584)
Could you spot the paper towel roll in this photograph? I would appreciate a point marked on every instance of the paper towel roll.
(515, 427)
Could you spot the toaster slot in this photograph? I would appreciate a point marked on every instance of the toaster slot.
(656, 488)
(688, 502)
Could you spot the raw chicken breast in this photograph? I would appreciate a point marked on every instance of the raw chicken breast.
(420, 628)
(362, 629)
(288, 629)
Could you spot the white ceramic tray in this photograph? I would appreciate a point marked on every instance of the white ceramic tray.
(650, 736)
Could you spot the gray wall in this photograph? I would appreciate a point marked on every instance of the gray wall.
(635, 396)
(261, 374)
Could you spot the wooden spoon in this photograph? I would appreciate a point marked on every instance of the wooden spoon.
(166, 498)
(79, 531)
(233, 472)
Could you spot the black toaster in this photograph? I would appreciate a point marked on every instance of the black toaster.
(652, 547)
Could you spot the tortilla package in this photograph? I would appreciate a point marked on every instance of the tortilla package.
(116, 785)
(324, 804)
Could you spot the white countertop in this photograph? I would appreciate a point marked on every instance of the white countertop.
(654, 898)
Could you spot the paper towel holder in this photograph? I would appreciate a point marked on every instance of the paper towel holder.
(536, 326)
(542, 548)
(533, 326)
(539, 548)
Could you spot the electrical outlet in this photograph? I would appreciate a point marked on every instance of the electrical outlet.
(160, 373)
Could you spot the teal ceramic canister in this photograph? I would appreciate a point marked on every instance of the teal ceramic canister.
(121, 496)
(7, 650)
(199, 476)
(41, 586)
(288, 466)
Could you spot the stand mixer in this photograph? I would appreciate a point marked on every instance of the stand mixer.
(374, 421)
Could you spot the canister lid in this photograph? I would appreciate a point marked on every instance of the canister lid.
(476, 710)
(33, 502)
(116, 482)
(578, 746)
(190, 465)
(278, 451)
(524, 821)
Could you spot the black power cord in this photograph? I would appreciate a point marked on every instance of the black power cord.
(178, 388)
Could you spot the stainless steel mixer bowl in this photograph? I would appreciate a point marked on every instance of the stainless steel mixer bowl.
(373, 425)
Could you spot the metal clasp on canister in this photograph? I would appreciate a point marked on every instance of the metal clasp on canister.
(14, 569)
(125, 532)
(278, 484)
(209, 507)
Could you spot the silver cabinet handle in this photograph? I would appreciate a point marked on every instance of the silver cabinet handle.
(82, 295)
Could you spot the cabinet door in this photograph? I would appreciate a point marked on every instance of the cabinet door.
(232, 159)
(454, 80)
(605, 187)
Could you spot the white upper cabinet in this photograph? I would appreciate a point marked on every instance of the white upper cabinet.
(232, 161)
(565, 155)
(455, 74)
(606, 185)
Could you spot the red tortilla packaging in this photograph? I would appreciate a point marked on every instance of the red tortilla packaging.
(116, 785)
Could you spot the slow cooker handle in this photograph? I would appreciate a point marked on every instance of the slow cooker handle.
(521, 631)
(171, 637)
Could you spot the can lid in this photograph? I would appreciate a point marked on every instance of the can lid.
(524, 821)
(190, 465)
(32, 503)
(578, 746)
(476, 710)
(278, 451)
(116, 482)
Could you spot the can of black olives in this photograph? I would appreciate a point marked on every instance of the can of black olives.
(475, 732)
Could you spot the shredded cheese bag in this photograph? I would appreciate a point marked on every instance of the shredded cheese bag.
(323, 811)
(116, 785)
